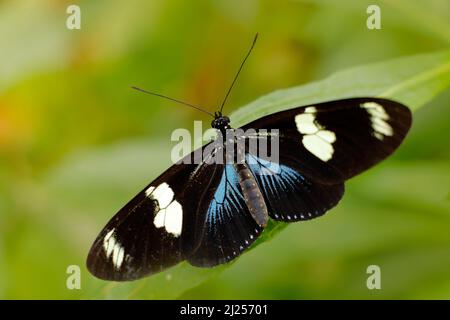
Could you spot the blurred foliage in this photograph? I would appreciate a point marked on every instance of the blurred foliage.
(76, 143)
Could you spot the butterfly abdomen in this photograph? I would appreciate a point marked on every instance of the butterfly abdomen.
(252, 195)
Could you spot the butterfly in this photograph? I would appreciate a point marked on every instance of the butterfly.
(208, 213)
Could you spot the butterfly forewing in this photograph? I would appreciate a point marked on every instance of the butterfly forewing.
(333, 141)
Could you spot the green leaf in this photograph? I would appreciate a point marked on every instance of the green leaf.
(413, 80)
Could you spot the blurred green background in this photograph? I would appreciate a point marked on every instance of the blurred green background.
(76, 143)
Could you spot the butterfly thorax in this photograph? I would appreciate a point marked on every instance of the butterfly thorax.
(221, 123)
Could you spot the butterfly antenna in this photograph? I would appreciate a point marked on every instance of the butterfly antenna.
(172, 99)
(239, 71)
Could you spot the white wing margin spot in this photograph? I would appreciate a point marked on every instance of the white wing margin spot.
(113, 248)
(379, 118)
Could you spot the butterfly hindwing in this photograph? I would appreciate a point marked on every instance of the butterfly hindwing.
(289, 195)
(228, 227)
(334, 141)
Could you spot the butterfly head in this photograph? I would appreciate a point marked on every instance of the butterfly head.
(220, 122)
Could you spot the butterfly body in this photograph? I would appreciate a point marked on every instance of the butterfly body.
(252, 195)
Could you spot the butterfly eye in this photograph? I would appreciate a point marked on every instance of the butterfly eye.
(220, 123)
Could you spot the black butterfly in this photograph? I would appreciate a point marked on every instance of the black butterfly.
(209, 213)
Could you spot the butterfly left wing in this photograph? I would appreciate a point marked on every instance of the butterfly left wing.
(334, 141)
(149, 233)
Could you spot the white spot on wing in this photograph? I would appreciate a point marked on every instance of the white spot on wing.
(381, 126)
(305, 123)
(321, 148)
(316, 139)
(378, 117)
(158, 221)
(117, 255)
(170, 214)
(163, 194)
(113, 248)
(149, 191)
(107, 242)
(174, 218)
(310, 110)
(326, 135)
(378, 135)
